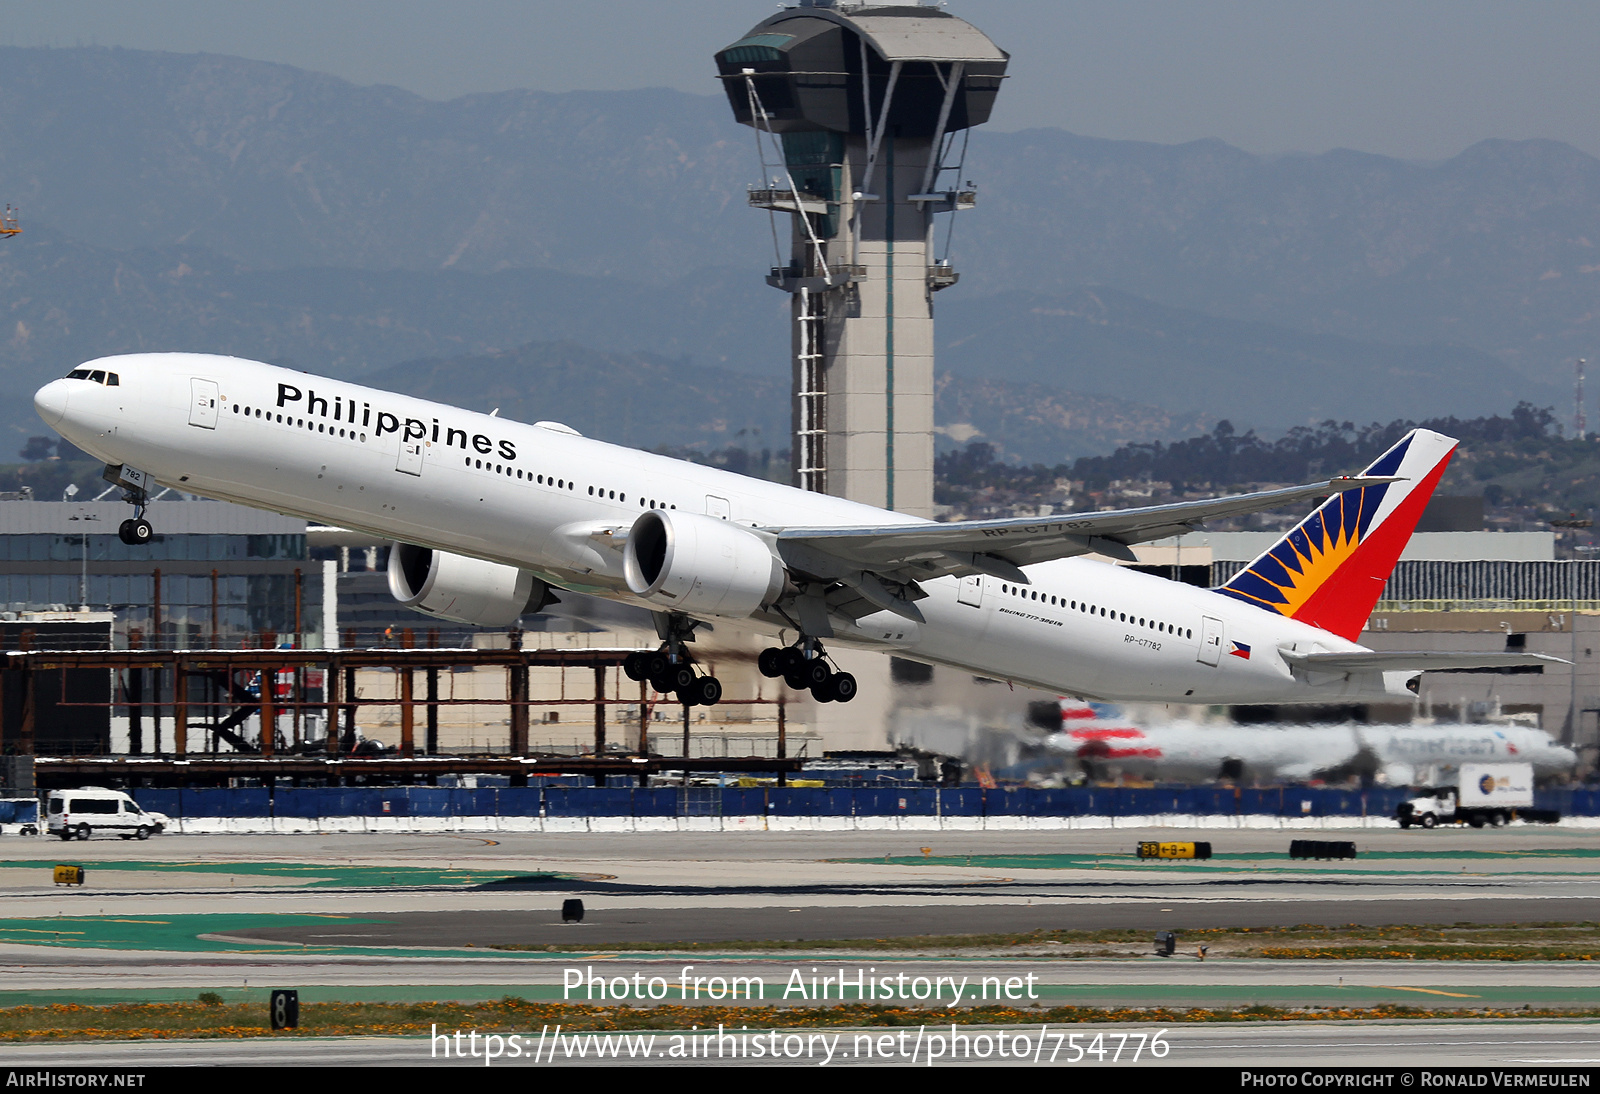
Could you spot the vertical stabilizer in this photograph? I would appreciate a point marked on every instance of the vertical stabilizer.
(1331, 568)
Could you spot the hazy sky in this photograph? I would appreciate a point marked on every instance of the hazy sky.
(1420, 79)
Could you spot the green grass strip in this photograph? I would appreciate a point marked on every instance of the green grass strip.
(221, 1020)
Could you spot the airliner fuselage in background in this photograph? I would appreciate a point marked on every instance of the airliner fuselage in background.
(491, 517)
(1184, 751)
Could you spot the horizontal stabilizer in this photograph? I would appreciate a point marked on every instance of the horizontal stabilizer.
(1418, 661)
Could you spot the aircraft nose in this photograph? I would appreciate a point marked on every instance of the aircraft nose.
(51, 401)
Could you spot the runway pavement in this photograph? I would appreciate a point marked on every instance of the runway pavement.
(408, 917)
(1561, 1047)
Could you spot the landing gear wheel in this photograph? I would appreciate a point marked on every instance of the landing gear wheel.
(135, 532)
(656, 666)
(706, 691)
(790, 661)
(769, 662)
(681, 677)
(816, 673)
(635, 666)
(843, 687)
(796, 680)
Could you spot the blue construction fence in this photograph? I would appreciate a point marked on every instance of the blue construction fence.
(906, 801)
(19, 811)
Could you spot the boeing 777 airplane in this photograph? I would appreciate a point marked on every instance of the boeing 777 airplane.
(491, 517)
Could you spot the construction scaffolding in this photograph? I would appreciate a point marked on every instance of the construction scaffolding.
(306, 705)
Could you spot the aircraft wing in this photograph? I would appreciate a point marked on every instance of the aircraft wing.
(911, 552)
(1421, 661)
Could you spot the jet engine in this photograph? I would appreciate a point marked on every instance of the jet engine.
(692, 563)
(462, 589)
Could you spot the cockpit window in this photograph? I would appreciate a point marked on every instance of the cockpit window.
(98, 376)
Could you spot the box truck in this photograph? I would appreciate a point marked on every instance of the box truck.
(1482, 794)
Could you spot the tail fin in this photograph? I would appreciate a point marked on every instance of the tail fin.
(1330, 569)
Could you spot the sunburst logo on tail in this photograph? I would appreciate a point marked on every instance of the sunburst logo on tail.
(1331, 568)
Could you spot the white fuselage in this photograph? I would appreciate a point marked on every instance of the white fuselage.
(533, 496)
(1187, 752)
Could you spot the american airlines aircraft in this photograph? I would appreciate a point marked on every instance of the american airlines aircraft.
(1188, 752)
(490, 517)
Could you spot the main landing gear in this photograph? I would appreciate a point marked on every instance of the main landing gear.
(804, 667)
(674, 676)
(670, 669)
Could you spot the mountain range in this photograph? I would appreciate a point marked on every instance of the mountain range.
(1111, 291)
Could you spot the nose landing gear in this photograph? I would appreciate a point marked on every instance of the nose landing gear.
(136, 531)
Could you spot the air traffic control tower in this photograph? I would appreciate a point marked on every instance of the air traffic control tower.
(862, 113)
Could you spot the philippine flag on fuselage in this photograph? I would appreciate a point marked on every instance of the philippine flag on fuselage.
(1239, 650)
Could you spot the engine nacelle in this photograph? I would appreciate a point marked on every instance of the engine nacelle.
(462, 589)
(693, 563)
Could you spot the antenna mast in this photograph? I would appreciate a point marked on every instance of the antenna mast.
(1580, 421)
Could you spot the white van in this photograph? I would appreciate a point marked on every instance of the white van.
(89, 810)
